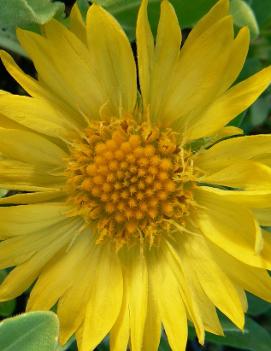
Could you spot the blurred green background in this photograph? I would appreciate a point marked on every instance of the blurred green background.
(38, 331)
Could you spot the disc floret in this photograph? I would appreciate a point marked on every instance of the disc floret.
(130, 180)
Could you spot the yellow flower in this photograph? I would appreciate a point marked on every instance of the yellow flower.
(137, 210)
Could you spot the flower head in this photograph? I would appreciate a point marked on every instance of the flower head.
(138, 209)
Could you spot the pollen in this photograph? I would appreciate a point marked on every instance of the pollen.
(129, 184)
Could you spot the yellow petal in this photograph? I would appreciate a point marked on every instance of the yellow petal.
(133, 312)
(37, 48)
(20, 248)
(207, 310)
(193, 74)
(26, 219)
(152, 329)
(105, 297)
(249, 199)
(255, 280)
(145, 51)
(77, 25)
(217, 12)
(30, 148)
(175, 263)
(71, 307)
(31, 198)
(228, 131)
(266, 251)
(211, 278)
(232, 228)
(237, 58)
(204, 306)
(135, 272)
(53, 73)
(169, 35)
(242, 296)
(224, 153)
(27, 82)
(38, 115)
(263, 216)
(58, 275)
(166, 54)
(264, 158)
(72, 61)
(4, 121)
(120, 332)
(170, 304)
(35, 89)
(15, 175)
(225, 132)
(247, 175)
(109, 46)
(21, 277)
(8, 123)
(229, 105)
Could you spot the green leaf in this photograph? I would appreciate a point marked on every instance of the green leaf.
(256, 306)
(262, 49)
(29, 332)
(104, 345)
(8, 40)
(251, 66)
(259, 111)
(244, 16)
(189, 12)
(83, 6)
(8, 307)
(254, 337)
(22, 12)
(262, 10)
(164, 346)
(25, 14)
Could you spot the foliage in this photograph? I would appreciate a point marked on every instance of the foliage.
(28, 13)
(29, 332)
(252, 338)
(39, 330)
(243, 15)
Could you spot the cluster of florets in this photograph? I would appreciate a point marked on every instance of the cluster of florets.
(125, 180)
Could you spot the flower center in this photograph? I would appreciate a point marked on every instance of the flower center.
(129, 180)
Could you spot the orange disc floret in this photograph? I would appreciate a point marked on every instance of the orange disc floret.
(135, 140)
(100, 148)
(126, 180)
(91, 169)
(119, 155)
(126, 147)
(111, 145)
(165, 164)
(149, 150)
